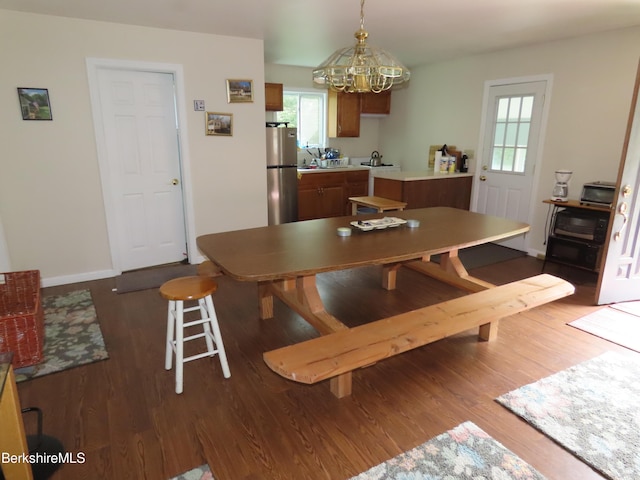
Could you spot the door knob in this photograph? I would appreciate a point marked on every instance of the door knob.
(483, 178)
(175, 181)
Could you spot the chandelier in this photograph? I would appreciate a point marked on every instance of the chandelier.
(361, 68)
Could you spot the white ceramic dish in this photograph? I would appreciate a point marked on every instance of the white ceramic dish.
(378, 223)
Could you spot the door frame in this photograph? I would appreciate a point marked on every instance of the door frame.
(540, 147)
(93, 66)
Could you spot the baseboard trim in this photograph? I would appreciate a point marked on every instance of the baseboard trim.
(78, 277)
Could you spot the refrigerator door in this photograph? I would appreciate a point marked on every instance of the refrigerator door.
(282, 146)
(282, 194)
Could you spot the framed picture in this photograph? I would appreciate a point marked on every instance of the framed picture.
(239, 91)
(219, 123)
(34, 103)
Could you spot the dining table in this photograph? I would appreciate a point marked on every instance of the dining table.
(285, 259)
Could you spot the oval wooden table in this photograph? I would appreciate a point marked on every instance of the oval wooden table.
(285, 259)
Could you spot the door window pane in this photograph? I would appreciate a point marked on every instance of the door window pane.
(511, 138)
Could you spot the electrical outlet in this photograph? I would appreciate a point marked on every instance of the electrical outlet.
(198, 105)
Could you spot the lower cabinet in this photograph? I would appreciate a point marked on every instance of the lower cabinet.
(437, 192)
(326, 194)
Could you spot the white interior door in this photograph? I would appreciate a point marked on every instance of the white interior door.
(505, 175)
(138, 110)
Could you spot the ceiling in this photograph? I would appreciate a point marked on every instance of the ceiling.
(305, 32)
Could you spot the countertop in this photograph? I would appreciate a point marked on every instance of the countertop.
(331, 169)
(420, 175)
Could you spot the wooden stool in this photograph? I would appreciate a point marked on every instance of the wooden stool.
(177, 291)
(379, 203)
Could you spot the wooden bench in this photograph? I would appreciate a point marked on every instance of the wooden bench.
(344, 351)
(379, 203)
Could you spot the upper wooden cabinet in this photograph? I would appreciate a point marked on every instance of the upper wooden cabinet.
(344, 114)
(273, 97)
(376, 103)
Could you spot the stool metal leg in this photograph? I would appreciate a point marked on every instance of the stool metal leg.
(171, 324)
(218, 337)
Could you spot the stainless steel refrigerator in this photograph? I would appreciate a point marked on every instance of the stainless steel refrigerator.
(282, 174)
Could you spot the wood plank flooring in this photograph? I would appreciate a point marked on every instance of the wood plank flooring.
(124, 415)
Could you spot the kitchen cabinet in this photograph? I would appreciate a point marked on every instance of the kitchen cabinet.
(326, 194)
(376, 103)
(357, 184)
(343, 114)
(273, 98)
(436, 191)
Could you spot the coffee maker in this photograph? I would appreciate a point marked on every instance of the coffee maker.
(560, 191)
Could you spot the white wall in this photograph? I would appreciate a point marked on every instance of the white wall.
(50, 194)
(593, 79)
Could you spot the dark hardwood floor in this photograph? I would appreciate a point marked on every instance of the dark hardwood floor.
(124, 415)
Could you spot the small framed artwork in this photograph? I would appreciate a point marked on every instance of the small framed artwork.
(219, 123)
(34, 103)
(239, 91)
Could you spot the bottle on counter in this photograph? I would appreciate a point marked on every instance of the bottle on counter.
(464, 168)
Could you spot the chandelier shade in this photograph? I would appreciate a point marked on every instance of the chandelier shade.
(361, 68)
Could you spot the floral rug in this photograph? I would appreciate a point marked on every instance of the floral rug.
(591, 409)
(203, 472)
(72, 335)
(463, 453)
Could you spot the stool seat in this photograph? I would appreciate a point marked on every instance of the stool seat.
(188, 288)
(199, 289)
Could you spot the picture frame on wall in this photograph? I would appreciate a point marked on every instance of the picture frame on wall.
(35, 103)
(239, 91)
(219, 123)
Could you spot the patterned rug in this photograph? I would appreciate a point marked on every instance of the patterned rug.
(591, 409)
(463, 453)
(72, 335)
(203, 472)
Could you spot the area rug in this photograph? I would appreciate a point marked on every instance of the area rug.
(152, 277)
(630, 307)
(485, 254)
(591, 409)
(203, 472)
(613, 324)
(465, 452)
(72, 335)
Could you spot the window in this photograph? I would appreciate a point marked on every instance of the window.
(306, 110)
(513, 119)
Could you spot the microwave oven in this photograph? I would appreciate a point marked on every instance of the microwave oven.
(598, 194)
(584, 225)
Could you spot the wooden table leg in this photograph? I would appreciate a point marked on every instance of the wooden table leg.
(13, 440)
(265, 299)
(303, 298)
(450, 271)
(389, 275)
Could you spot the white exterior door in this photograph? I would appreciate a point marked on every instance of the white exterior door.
(619, 280)
(505, 175)
(138, 111)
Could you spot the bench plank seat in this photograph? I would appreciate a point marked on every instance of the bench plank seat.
(344, 351)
